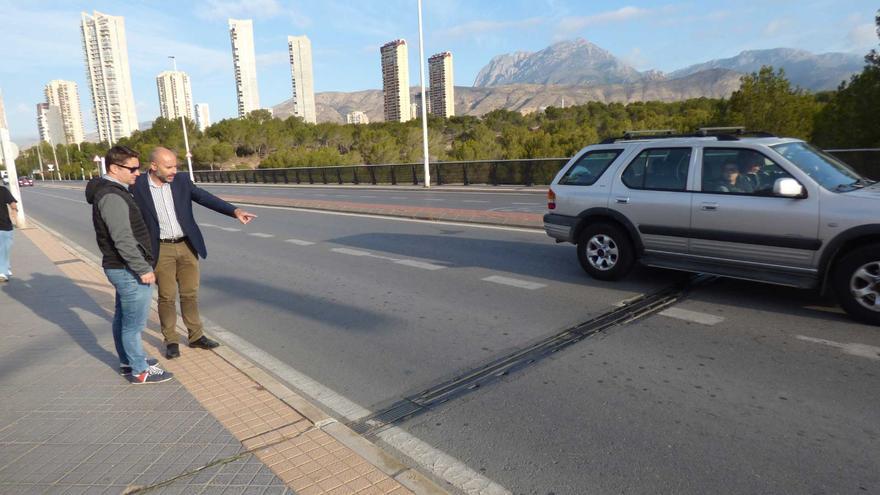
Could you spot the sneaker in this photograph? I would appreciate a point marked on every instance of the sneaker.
(125, 369)
(154, 374)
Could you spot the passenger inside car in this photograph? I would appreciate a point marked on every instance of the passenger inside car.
(731, 181)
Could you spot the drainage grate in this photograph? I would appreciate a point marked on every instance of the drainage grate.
(418, 403)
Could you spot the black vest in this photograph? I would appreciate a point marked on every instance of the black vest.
(112, 258)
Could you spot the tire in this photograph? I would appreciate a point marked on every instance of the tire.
(856, 283)
(605, 251)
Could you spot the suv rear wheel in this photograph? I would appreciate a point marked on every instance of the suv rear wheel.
(605, 252)
(856, 280)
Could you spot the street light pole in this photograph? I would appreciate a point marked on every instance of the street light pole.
(189, 166)
(424, 100)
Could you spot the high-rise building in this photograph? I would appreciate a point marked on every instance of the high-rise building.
(356, 117)
(241, 33)
(50, 123)
(203, 116)
(395, 81)
(175, 94)
(302, 78)
(65, 95)
(441, 96)
(106, 53)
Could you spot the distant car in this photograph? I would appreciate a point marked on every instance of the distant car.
(25, 181)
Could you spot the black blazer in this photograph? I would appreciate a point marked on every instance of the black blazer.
(184, 192)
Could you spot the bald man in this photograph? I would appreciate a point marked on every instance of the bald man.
(165, 200)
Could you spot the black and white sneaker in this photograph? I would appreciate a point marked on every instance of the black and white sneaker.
(153, 374)
(125, 369)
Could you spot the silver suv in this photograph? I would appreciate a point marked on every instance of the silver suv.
(749, 206)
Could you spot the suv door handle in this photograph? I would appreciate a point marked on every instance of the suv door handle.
(709, 206)
(622, 200)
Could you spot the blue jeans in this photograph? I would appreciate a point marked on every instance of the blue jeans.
(132, 309)
(5, 248)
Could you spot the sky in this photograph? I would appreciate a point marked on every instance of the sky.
(41, 40)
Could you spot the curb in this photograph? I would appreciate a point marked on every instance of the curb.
(410, 478)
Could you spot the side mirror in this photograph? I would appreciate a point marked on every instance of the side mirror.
(789, 188)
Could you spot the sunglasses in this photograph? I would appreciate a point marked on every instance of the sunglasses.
(130, 169)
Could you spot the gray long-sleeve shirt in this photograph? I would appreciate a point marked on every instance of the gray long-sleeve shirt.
(114, 211)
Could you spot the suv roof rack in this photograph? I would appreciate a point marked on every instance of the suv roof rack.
(719, 133)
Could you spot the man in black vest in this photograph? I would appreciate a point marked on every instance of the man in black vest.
(127, 260)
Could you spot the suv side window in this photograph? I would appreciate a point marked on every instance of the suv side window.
(739, 171)
(663, 169)
(589, 167)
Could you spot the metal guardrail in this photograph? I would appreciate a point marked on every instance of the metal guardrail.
(526, 172)
(492, 172)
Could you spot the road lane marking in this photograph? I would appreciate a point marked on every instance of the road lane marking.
(352, 252)
(261, 235)
(412, 263)
(528, 204)
(60, 197)
(299, 242)
(427, 457)
(692, 316)
(398, 197)
(230, 229)
(371, 197)
(852, 348)
(474, 201)
(514, 282)
(432, 199)
(370, 216)
(207, 225)
(420, 264)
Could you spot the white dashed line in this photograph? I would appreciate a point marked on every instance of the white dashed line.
(413, 263)
(473, 201)
(230, 229)
(398, 197)
(207, 225)
(299, 242)
(514, 282)
(351, 252)
(528, 204)
(852, 348)
(692, 316)
(433, 199)
(419, 264)
(261, 235)
(371, 197)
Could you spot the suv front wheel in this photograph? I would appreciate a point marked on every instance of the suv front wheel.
(605, 251)
(856, 282)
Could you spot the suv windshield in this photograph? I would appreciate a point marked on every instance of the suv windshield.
(828, 171)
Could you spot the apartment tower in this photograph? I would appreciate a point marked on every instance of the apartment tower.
(302, 78)
(175, 95)
(395, 81)
(106, 53)
(65, 95)
(241, 33)
(356, 117)
(441, 96)
(50, 123)
(203, 116)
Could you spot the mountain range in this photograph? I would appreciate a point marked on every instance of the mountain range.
(579, 71)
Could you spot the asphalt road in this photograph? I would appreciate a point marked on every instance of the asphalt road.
(739, 388)
(499, 200)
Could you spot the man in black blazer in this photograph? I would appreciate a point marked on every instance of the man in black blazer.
(165, 200)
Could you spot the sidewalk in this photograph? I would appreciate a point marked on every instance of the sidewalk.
(69, 423)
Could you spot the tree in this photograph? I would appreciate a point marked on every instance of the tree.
(766, 101)
(851, 118)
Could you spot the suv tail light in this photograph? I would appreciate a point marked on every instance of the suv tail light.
(551, 199)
